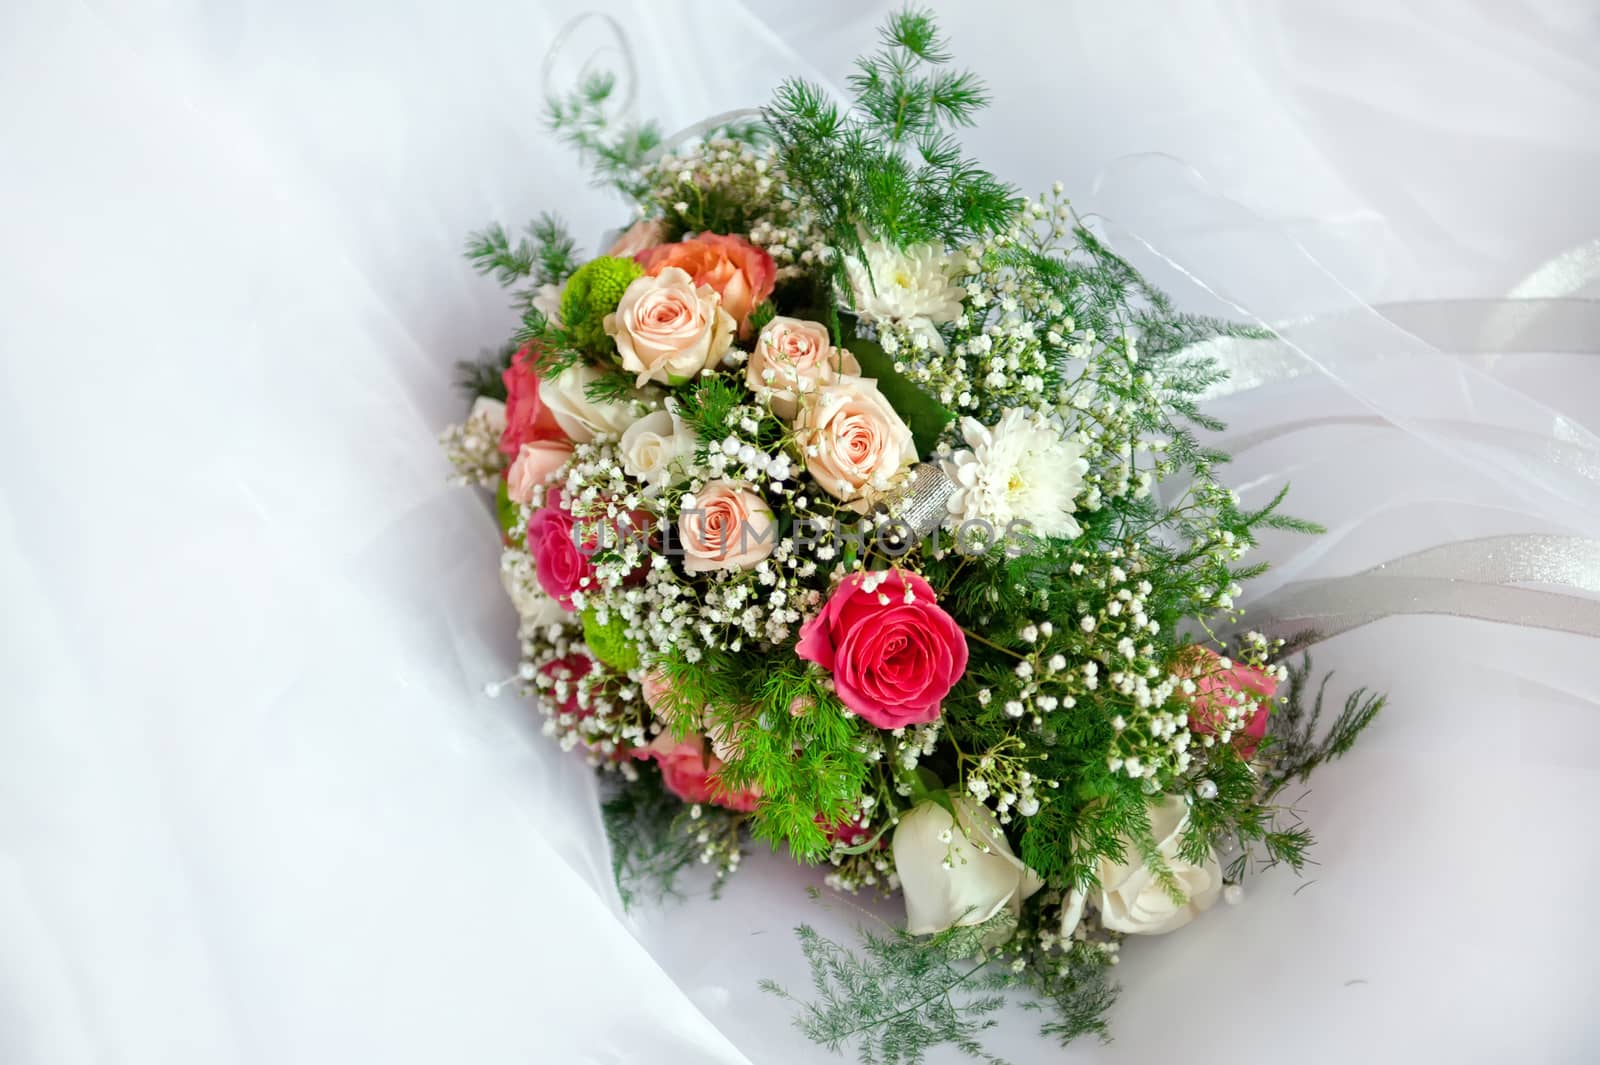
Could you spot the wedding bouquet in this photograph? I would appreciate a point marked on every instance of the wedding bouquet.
(855, 504)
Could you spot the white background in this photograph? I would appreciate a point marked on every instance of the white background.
(253, 807)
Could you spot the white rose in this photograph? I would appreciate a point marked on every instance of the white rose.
(653, 445)
(668, 330)
(854, 443)
(1129, 897)
(976, 885)
(792, 357)
(580, 417)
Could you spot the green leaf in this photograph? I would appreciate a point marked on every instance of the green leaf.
(926, 416)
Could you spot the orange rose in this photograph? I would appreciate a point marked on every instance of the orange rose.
(741, 273)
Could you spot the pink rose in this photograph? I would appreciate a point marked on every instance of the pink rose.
(855, 445)
(741, 273)
(846, 833)
(668, 329)
(535, 464)
(893, 652)
(792, 357)
(560, 677)
(562, 569)
(690, 772)
(641, 236)
(728, 526)
(527, 418)
(656, 691)
(1236, 699)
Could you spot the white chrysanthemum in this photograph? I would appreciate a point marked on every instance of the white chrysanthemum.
(910, 286)
(1023, 470)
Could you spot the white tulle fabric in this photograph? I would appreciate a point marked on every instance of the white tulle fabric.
(255, 809)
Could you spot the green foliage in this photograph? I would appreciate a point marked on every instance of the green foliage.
(654, 840)
(926, 416)
(1295, 748)
(616, 152)
(716, 404)
(763, 314)
(547, 254)
(617, 386)
(788, 737)
(901, 996)
(591, 293)
(889, 162)
(1244, 809)
(484, 376)
(1079, 992)
(897, 88)
(1267, 834)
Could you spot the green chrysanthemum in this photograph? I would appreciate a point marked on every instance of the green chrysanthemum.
(609, 643)
(592, 293)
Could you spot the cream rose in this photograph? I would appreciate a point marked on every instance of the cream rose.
(957, 875)
(854, 444)
(581, 418)
(726, 526)
(653, 444)
(667, 330)
(1129, 897)
(547, 301)
(792, 357)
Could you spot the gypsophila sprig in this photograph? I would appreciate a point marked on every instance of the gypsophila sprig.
(855, 505)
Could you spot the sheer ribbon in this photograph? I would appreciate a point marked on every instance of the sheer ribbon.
(1470, 578)
(1421, 368)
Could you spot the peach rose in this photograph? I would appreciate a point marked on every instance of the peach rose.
(726, 527)
(534, 465)
(656, 691)
(741, 273)
(692, 773)
(855, 445)
(641, 236)
(668, 329)
(793, 357)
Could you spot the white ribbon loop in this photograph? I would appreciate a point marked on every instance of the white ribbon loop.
(1468, 578)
